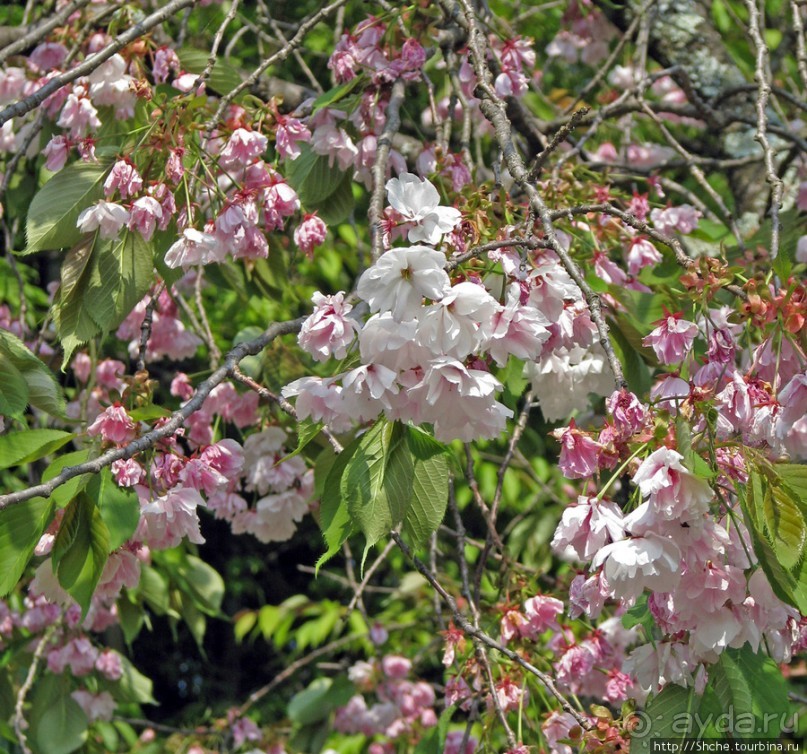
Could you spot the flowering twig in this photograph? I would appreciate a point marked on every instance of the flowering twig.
(494, 110)
(42, 30)
(86, 67)
(467, 627)
(282, 403)
(384, 144)
(172, 424)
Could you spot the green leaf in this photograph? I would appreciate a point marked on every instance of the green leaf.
(311, 176)
(119, 507)
(102, 281)
(205, 584)
(335, 519)
(74, 324)
(640, 615)
(770, 534)
(223, 76)
(429, 486)
(307, 430)
(337, 206)
(63, 494)
(377, 482)
(55, 209)
(21, 526)
(58, 725)
(746, 695)
(390, 475)
(23, 447)
(321, 697)
(326, 99)
(13, 388)
(41, 388)
(667, 717)
(120, 275)
(80, 550)
(154, 588)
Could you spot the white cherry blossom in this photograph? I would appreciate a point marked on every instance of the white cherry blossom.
(418, 202)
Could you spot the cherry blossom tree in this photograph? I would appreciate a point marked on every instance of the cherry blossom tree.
(445, 361)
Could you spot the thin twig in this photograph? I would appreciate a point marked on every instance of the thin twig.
(176, 420)
(467, 627)
(214, 49)
(495, 110)
(282, 403)
(19, 712)
(764, 92)
(383, 146)
(25, 105)
(39, 32)
(278, 57)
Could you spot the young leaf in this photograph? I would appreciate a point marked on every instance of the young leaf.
(55, 209)
(21, 526)
(80, 550)
(43, 391)
(119, 507)
(429, 487)
(23, 447)
(666, 717)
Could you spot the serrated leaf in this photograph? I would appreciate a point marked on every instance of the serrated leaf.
(335, 519)
(44, 392)
(663, 716)
(55, 208)
(312, 177)
(120, 276)
(429, 487)
(789, 584)
(336, 206)
(205, 582)
(13, 388)
(73, 323)
(785, 524)
(377, 481)
(80, 550)
(23, 447)
(21, 526)
(326, 99)
(307, 430)
(749, 689)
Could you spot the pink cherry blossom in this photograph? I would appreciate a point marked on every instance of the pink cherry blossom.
(672, 339)
(145, 214)
(123, 178)
(328, 331)
(578, 452)
(114, 425)
(310, 234)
